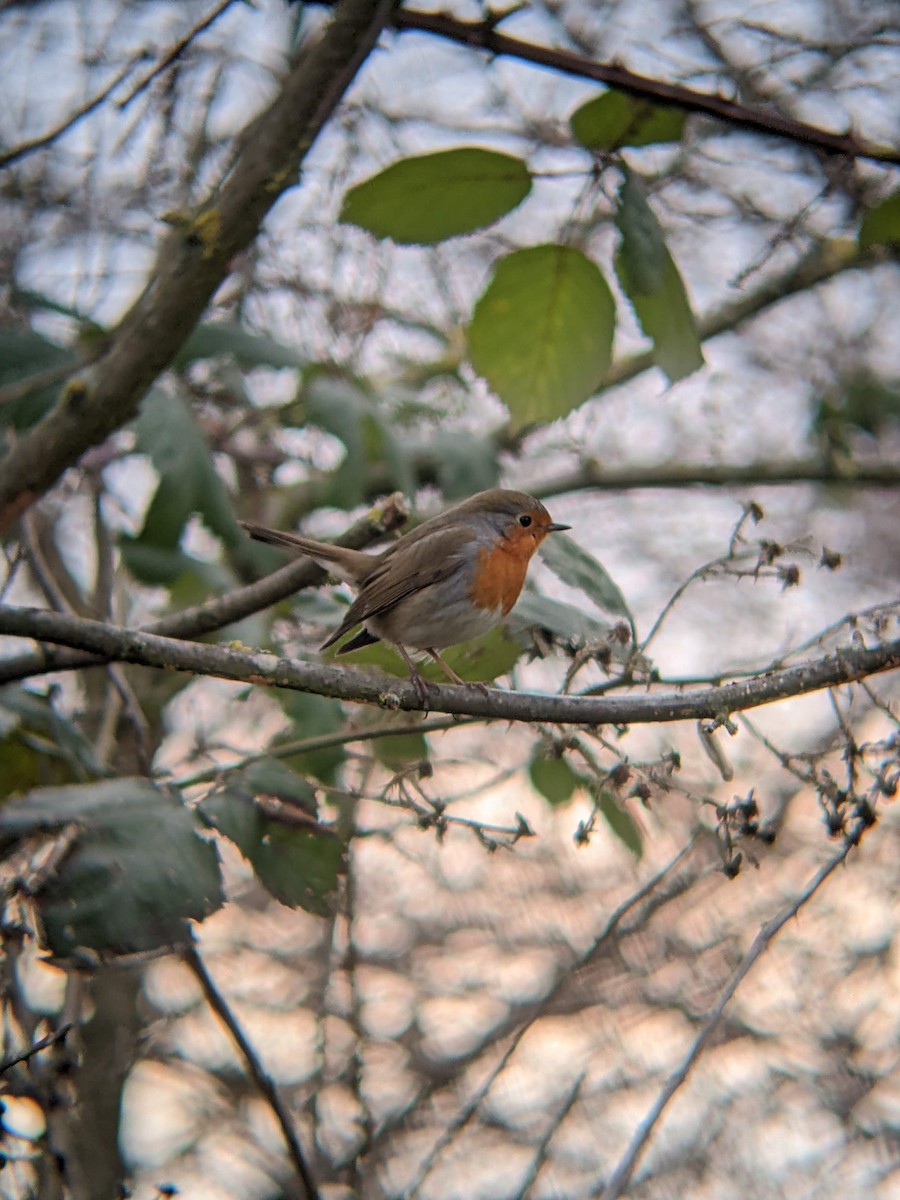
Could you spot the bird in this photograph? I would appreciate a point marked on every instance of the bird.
(451, 579)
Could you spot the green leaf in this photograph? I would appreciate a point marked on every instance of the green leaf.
(296, 861)
(650, 280)
(38, 745)
(574, 566)
(615, 119)
(554, 779)
(218, 339)
(344, 410)
(437, 196)
(25, 353)
(465, 464)
(137, 871)
(562, 622)
(881, 224)
(401, 749)
(621, 823)
(166, 431)
(541, 333)
(482, 659)
(312, 716)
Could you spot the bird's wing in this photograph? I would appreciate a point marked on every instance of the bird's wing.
(424, 562)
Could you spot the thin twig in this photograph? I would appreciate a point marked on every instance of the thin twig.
(58, 1035)
(175, 51)
(324, 742)
(621, 1176)
(52, 135)
(261, 1078)
(468, 1110)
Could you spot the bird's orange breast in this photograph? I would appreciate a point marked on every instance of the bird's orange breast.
(499, 575)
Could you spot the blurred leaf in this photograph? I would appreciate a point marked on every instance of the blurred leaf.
(437, 196)
(881, 224)
(38, 745)
(563, 622)
(295, 860)
(24, 353)
(621, 823)
(188, 483)
(553, 778)
(217, 339)
(401, 749)
(138, 870)
(465, 464)
(615, 119)
(312, 716)
(650, 280)
(344, 410)
(541, 333)
(574, 566)
(482, 659)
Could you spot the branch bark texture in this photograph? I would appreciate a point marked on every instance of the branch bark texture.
(193, 261)
(267, 670)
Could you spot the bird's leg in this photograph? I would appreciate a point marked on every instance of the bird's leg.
(451, 674)
(418, 682)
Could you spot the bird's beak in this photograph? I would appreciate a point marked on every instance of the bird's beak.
(555, 527)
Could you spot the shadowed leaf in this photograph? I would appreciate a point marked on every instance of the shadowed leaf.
(615, 119)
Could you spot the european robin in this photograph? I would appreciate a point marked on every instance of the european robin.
(453, 578)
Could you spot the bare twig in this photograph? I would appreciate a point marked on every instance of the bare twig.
(52, 135)
(175, 52)
(261, 1078)
(58, 1035)
(483, 35)
(621, 1176)
(609, 929)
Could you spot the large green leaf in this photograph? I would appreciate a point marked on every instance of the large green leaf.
(615, 119)
(295, 859)
(542, 332)
(650, 280)
(881, 224)
(436, 196)
(574, 566)
(136, 872)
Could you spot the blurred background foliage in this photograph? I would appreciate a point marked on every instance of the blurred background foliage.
(682, 333)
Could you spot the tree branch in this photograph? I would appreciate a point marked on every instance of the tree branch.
(483, 35)
(220, 611)
(258, 1073)
(194, 260)
(267, 670)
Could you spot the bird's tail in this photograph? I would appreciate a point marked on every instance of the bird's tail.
(350, 565)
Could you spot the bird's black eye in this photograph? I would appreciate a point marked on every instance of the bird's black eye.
(524, 520)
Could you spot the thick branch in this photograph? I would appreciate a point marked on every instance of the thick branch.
(267, 670)
(483, 35)
(194, 260)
